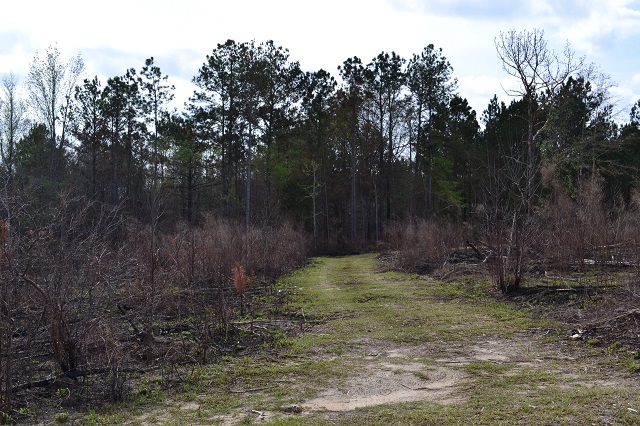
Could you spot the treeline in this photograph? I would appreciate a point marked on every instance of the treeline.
(261, 140)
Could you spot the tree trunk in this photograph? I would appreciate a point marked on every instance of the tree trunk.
(353, 176)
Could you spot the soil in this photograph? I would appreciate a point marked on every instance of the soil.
(384, 381)
(388, 384)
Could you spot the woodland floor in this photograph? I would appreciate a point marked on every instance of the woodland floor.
(368, 345)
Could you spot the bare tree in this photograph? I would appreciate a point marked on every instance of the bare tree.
(13, 124)
(51, 84)
(7, 329)
(540, 72)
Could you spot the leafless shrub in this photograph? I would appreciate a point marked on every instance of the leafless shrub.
(424, 245)
(58, 277)
(197, 265)
(584, 234)
(81, 293)
(274, 250)
(631, 230)
(116, 360)
(509, 235)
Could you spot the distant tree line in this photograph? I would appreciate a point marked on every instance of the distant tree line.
(261, 140)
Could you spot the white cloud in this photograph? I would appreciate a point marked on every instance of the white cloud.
(634, 89)
(471, 9)
(607, 24)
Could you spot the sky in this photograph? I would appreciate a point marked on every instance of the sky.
(112, 36)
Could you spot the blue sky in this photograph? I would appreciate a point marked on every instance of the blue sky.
(119, 34)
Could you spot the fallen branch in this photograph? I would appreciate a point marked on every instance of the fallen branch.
(265, 321)
(252, 390)
(75, 374)
(617, 317)
(621, 263)
(477, 252)
(413, 389)
(259, 413)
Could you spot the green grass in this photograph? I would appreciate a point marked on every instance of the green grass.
(356, 299)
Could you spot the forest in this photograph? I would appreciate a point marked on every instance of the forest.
(123, 220)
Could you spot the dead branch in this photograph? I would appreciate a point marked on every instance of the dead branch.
(252, 390)
(413, 389)
(612, 319)
(476, 251)
(75, 374)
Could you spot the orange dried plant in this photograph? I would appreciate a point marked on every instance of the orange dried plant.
(240, 278)
(4, 232)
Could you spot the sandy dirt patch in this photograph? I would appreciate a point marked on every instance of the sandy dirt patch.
(389, 383)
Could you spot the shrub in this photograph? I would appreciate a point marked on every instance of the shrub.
(424, 245)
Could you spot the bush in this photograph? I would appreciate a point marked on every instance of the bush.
(424, 245)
